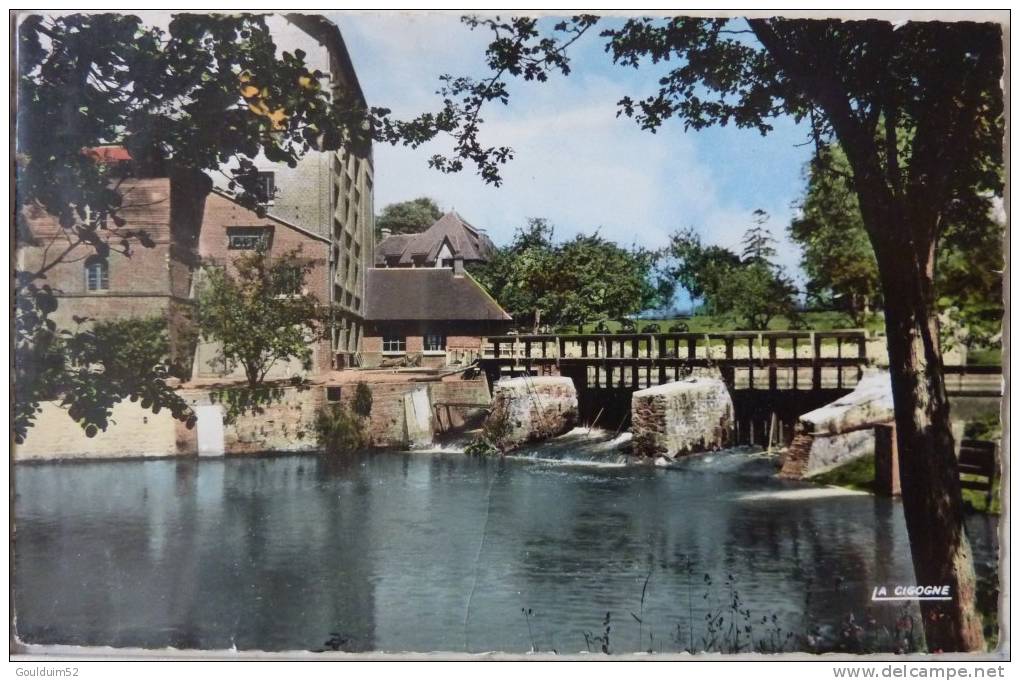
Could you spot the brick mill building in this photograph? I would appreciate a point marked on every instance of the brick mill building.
(143, 282)
(418, 306)
(323, 204)
(327, 193)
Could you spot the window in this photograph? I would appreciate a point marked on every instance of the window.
(290, 279)
(435, 342)
(97, 274)
(394, 344)
(245, 238)
(267, 186)
(333, 393)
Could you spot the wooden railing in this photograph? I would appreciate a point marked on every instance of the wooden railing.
(754, 360)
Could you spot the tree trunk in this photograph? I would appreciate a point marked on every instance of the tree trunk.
(929, 474)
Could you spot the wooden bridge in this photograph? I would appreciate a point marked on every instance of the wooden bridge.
(767, 360)
(774, 376)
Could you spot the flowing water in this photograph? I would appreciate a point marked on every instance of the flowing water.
(439, 551)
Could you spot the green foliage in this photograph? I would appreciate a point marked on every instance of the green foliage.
(758, 242)
(259, 315)
(408, 217)
(362, 402)
(837, 255)
(206, 91)
(968, 278)
(751, 291)
(570, 282)
(339, 430)
(243, 400)
(480, 446)
(89, 370)
(137, 345)
(497, 428)
(695, 266)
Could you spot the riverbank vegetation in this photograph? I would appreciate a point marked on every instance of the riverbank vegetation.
(340, 428)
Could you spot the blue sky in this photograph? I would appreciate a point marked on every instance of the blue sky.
(576, 163)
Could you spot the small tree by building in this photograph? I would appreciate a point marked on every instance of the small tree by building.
(260, 314)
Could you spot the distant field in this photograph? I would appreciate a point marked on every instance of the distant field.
(818, 321)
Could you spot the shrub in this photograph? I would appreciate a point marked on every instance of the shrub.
(339, 431)
(497, 426)
(480, 447)
(362, 402)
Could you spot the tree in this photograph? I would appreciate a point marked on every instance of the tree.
(517, 275)
(207, 92)
(917, 109)
(758, 242)
(695, 266)
(751, 290)
(408, 217)
(968, 278)
(131, 355)
(260, 316)
(837, 256)
(572, 282)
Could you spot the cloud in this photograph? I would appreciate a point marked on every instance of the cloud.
(575, 162)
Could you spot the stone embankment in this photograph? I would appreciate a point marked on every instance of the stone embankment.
(691, 415)
(529, 409)
(406, 411)
(841, 431)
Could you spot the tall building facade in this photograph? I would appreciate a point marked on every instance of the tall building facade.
(329, 193)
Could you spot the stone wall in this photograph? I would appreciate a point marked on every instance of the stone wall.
(532, 408)
(287, 425)
(402, 415)
(686, 416)
(133, 432)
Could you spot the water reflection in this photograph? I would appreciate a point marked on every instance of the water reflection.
(434, 552)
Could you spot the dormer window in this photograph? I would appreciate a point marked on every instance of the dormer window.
(97, 273)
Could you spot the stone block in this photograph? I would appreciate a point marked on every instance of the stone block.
(844, 430)
(683, 417)
(532, 408)
(869, 403)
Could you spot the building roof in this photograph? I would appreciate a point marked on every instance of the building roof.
(466, 241)
(427, 293)
(145, 207)
(110, 153)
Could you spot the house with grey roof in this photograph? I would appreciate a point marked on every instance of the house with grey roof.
(449, 237)
(428, 316)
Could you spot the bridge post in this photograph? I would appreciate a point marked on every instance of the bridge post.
(816, 361)
(750, 362)
(773, 382)
(661, 352)
(839, 366)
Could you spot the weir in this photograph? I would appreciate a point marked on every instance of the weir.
(773, 376)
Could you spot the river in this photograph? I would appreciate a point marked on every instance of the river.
(439, 551)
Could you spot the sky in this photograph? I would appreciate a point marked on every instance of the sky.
(576, 163)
